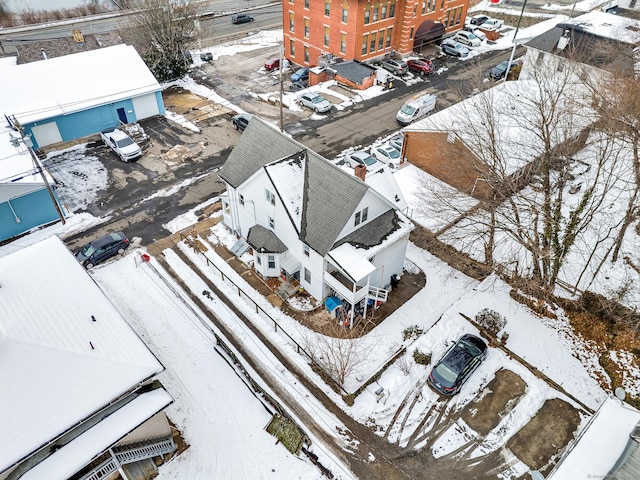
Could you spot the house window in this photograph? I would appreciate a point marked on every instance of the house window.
(306, 3)
(292, 48)
(343, 43)
(411, 33)
(357, 222)
(415, 10)
(271, 198)
(306, 54)
(446, 20)
(305, 250)
(424, 7)
(367, 13)
(259, 259)
(372, 48)
(392, 10)
(291, 16)
(365, 214)
(383, 12)
(326, 36)
(375, 14)
(365, 40)
(345, 15)
(306, 27)
(307, 276)
(327, 9)
(459, 16)
(272, 223)
(389, 35)
(271, 262)
(241, 197)
(380, 39)
(442, 5)
(432, 5)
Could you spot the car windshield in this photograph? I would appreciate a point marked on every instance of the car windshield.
(408, 109)
(317, 99)
(446, 373)
(88, 249)
(125, 142)
(471, 36)
(392, 152)
(369, 161)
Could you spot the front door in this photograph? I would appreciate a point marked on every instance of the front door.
(122, 115)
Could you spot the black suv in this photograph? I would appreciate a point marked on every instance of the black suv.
(241, 18)
(102, 248)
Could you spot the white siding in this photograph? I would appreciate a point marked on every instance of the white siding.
(376, 205)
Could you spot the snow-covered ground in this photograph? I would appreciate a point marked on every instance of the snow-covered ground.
(224, 423)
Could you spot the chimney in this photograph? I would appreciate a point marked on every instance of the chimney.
(360, 171)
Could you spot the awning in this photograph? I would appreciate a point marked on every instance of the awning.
(291, 265)
(79, 452)
(352, 261)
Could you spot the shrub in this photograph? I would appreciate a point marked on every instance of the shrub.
(414, 331)
(491, 321)
(421, 358)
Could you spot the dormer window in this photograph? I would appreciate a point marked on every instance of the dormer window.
(357, 222)
(361, 216)
(305, 250)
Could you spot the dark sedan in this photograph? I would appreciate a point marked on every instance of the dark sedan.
(457, 365)
(241, 121)
(421, 67)
(500, 70)
(102, 249)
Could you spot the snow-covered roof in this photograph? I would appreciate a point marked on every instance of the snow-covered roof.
(15, 161)
(79, 452)
(507, 136)
(607, 25)
(57, 365)
(62, 85)
(601, 444)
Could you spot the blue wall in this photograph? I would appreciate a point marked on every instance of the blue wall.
(92, 121)
(34, 209)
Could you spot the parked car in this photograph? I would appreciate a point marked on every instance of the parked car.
(453, 48)
(272, 64)
(421, 67)
(302, 74)
(121, 143)
(416, 108)
(396, 141)
(467, 38)
(492, 24)
(476, 31)
(297, 86)
(500, 70)
(397, 67)
(315, 101)
(241, 121)
(387, 154)
(478, 20)
(102, 249)
(241, 18)
(361, 157)
(457, 364)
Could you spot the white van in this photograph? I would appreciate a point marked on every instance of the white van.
(416, 108)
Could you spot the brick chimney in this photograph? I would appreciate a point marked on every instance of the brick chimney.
(360, 171)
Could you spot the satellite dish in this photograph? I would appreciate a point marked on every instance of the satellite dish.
(620, 393)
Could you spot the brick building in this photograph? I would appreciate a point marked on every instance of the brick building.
(365, 29)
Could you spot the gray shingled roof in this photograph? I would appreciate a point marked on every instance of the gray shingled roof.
(353, 70)
(264, 240)
(330, 197)
(374, 232)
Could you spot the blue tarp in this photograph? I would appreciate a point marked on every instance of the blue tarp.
(331, 303)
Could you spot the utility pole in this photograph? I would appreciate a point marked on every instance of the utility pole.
(513, 50)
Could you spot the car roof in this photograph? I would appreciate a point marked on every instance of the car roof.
(108, 238)
(118, 134)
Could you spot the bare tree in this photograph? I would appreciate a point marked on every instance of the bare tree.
(339, 350)
(162, 32)
(520, 140)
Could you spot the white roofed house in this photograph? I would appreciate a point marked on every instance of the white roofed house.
(309, 221)
(78, 397)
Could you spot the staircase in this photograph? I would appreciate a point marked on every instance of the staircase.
(133, 452)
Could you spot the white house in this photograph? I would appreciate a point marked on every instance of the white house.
(310, 221)
(78, 397)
